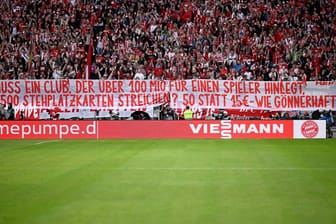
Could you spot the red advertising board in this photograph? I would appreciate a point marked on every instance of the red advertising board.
(216, 129)
(196, 129)
(48, 130)
(159, 129)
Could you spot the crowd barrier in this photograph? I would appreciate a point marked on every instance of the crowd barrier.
(154, 129)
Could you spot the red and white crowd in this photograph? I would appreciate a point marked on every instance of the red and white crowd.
(168, 39)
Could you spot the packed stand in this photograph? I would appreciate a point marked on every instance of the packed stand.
(234, 40)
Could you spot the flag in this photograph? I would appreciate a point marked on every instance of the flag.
(89, 60)
(304, 79)
(31, 55)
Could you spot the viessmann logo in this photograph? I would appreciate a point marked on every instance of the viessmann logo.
(45, 130)
(228, 129)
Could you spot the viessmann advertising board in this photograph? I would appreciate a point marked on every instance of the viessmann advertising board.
(212, 129)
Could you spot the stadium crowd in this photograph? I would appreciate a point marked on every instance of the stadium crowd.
(168, 39)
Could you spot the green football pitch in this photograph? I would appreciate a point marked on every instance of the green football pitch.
(168, 181)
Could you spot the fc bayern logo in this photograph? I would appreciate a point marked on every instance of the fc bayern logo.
(309, 129)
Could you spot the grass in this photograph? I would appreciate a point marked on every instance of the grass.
(168, 181)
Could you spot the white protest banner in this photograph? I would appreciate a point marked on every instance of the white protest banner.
(135, 94)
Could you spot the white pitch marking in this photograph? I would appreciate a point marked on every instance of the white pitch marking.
(40, 143)
(223, 168)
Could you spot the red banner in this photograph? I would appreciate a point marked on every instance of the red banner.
(224, 129)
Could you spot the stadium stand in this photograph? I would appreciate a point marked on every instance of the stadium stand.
(234, 40)
(168, 40)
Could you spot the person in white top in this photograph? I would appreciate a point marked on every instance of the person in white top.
(139, 74)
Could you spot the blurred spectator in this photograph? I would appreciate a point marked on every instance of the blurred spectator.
(2, 112)
(168, 113)
(10, 112)
(285, 116)
(329, 122)
(140, 115)
(221, 115)
(21, 115)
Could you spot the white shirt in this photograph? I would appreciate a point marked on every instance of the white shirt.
(139, 75)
